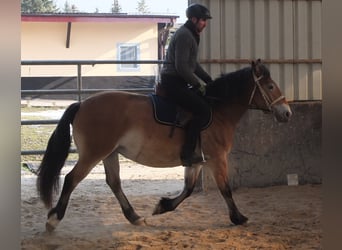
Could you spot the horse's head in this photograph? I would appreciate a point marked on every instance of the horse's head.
(266, 94)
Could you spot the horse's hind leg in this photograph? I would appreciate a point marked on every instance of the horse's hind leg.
(112, 169)
(221, 176)
(190, 178)
(71, 180)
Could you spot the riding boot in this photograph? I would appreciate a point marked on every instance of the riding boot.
(188, 155)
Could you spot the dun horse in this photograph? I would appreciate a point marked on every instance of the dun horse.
(112, 123)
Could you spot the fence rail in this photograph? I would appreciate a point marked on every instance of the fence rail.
(87, 62)
(79, 90)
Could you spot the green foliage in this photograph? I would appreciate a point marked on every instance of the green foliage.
(142, 7)
(38, 6)
(70, 8)
(116, 7)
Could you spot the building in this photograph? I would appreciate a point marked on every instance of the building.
(77, 36)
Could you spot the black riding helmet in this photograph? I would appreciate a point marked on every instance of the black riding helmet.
(198, 11)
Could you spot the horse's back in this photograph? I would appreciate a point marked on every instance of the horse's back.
(112, 98)
(108, 103)
(103, 118)
(108, 108)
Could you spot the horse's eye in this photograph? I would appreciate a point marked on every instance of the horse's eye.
(270, 87)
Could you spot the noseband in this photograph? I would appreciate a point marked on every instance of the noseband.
(269, 103)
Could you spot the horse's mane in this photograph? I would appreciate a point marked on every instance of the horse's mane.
(229, 86)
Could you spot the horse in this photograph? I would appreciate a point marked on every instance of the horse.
(110, 123)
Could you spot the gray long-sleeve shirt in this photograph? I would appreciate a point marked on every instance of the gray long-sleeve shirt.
(181, 58)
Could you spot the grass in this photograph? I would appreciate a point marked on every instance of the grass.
(30, 109)
(35, 137)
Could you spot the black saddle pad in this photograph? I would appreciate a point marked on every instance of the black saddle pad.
(169, 113)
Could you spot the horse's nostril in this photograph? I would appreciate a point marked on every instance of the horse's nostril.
(288, 114)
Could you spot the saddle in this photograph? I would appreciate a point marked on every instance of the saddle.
(166, 112)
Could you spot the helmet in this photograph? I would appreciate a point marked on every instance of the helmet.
(198, 11)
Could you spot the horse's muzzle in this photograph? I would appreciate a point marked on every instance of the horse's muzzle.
(282, 112)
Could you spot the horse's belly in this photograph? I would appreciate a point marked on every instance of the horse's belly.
(154, 152)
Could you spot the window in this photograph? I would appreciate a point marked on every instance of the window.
(128, 52)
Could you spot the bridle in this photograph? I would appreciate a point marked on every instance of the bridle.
(269, 103)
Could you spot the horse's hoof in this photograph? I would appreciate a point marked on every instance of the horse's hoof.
(164, 205)
(239, 220)
(52, 223)
(140, 222)
(157, 209)
(243, 221)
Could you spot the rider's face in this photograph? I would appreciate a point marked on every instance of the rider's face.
(200, 24)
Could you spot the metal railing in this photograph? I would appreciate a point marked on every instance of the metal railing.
(79, 91)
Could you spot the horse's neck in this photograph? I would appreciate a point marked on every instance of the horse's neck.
(236, 87)
(230, 113)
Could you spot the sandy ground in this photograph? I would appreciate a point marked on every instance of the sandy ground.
(280, 217)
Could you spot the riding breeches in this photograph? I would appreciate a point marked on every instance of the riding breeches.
(177, 90)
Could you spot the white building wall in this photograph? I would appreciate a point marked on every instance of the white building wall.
(88, 41)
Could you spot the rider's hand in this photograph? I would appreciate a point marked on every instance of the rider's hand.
(202, 89)
(209, 85)
(199, 88)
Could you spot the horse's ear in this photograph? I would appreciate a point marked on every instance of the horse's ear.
(254, 63)
(255, 66)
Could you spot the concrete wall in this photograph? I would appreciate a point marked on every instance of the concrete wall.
(265, 151)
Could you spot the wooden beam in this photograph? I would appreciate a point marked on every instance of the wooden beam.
(67, 45)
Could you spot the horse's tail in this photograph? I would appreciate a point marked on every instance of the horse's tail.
(57, 151)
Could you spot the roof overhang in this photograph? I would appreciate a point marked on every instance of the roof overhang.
(93, 17)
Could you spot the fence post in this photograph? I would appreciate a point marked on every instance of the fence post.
(79, 81)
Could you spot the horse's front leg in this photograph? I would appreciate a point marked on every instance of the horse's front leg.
(112, 170)
(220, 172)
(169, 204)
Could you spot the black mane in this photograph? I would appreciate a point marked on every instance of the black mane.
(229, 86)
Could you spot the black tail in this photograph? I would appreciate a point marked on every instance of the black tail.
(55, 155)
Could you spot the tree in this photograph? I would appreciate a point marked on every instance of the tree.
(38, 6)
(116, 8)
(74, 8)
(70, 9)
(142, 7)
(67, 7)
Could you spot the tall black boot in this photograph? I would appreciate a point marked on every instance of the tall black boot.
(188, 155)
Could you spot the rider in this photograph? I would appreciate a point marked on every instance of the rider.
(179, 78)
